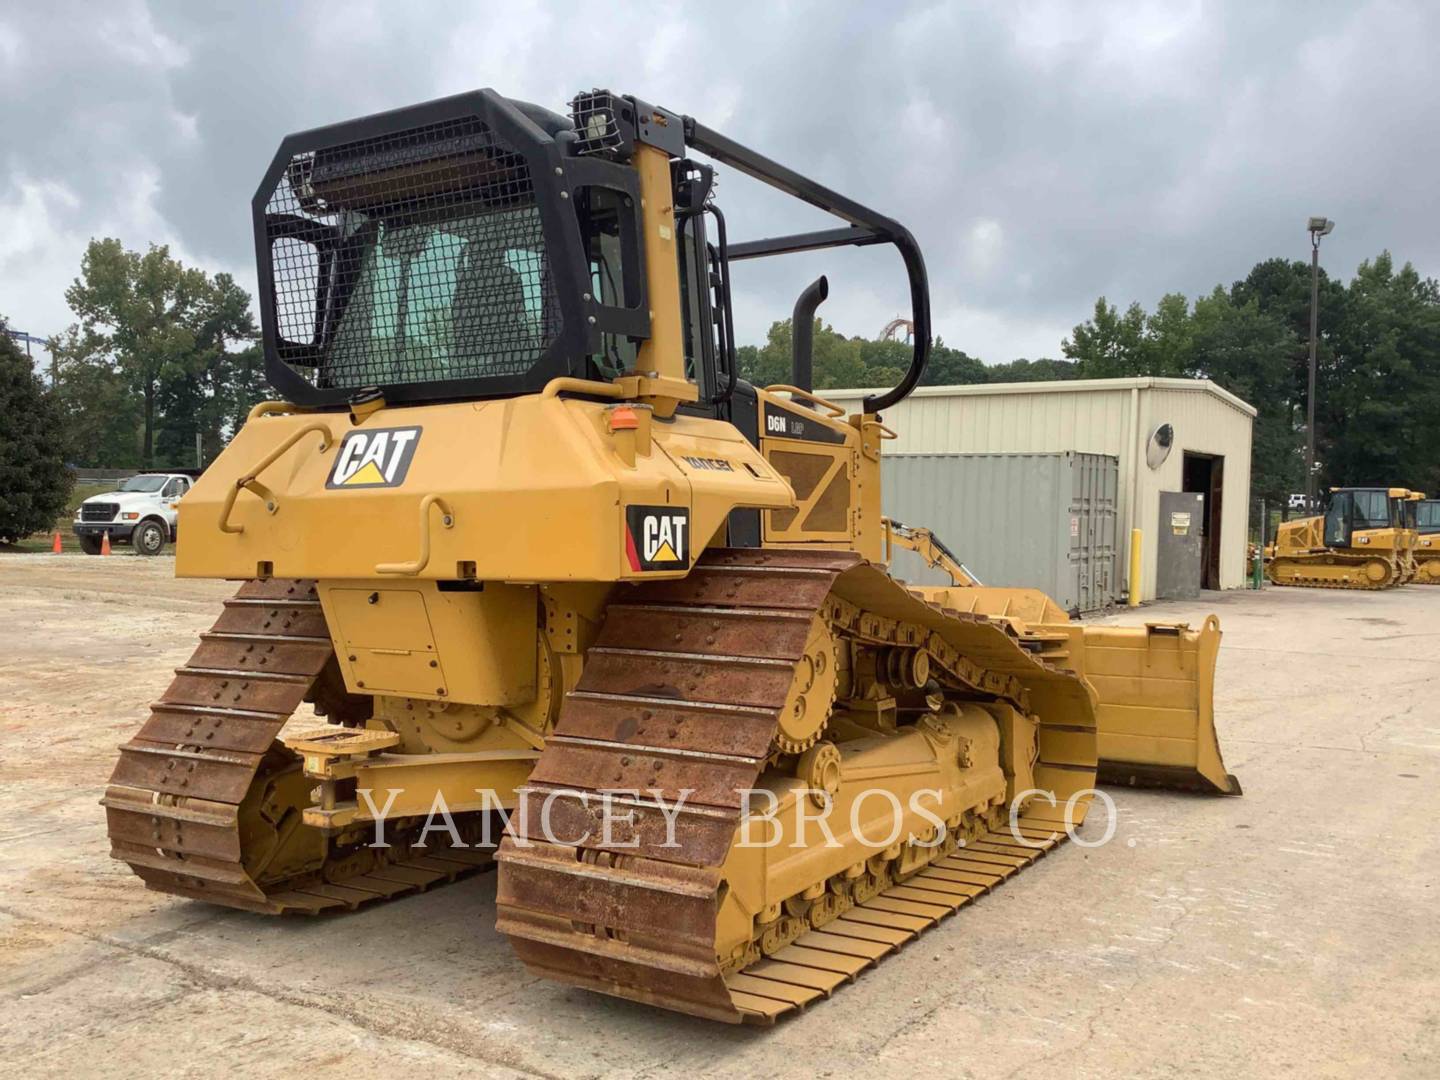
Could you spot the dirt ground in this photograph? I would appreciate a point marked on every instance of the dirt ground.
(1290, 932)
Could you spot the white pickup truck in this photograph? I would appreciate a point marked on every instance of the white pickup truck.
(140, 512)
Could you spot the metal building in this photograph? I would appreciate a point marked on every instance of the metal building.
(1183, 448)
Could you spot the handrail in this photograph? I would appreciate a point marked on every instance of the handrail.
(271, 408)
(447, 519)
(567, 384)
(806, 395)
(250, 480)
(869, 227)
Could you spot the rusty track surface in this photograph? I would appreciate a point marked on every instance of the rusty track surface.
(195, 803)
(683, 690)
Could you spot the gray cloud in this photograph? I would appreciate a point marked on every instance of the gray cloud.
(1044, 153)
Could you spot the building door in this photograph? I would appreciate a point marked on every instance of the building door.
(1178, 550)
(1205, 474)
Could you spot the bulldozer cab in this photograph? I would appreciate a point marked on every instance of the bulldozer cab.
(450, 250)
(479, 248)
(1352, 510)
(1427, 516)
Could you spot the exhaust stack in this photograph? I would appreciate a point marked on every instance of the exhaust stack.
(802, 333)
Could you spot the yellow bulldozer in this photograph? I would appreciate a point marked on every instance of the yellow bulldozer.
(1424, 519)
(1359, 542)
(579, 602)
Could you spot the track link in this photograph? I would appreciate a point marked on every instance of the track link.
(683, 690)
(1391, 579)
(197, 802)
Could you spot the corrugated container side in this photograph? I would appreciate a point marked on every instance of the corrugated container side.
(1045, 521)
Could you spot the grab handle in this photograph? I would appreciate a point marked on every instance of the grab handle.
(251, 482)
(806, 395)
(447, 519)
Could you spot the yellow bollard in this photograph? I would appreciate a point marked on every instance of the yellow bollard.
(1134, 567)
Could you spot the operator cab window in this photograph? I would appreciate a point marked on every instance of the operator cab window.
(175, 488)
(445, 296)
(602, 213)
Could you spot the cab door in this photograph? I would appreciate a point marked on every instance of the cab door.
(1339, 524)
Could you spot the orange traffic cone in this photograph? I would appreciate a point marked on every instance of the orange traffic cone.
(56, 547)
(105, 543)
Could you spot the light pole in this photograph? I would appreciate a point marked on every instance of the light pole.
(1318, 227)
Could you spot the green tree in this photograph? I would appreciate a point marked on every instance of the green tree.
(1281, 288)
(1248, 352)
(952, 367)
(202, 393)
(769, 364)
(34, 483)
(247, 386)
(1110, 345)
(837, 361)
(1379, 406)
(166, 329)
(1042, 370)
(101, 413)
(1168, 344)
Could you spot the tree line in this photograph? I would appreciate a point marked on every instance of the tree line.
(160, 353)
(1378, 366)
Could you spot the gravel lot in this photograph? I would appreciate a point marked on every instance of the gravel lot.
(1290, 932)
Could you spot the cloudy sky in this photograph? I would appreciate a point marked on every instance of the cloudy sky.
(1043, 153)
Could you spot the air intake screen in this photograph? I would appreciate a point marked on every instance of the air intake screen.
(412, 257)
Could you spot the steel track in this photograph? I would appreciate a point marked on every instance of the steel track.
(682, 690)
(196, 803)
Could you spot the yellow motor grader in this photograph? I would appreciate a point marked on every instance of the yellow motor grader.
(1358, 543)
(1424, 518)
(522, 535)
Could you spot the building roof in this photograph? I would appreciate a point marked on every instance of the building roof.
(1065, 386)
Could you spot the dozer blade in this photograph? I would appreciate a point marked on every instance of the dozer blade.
(1156, 715)
(1155, 686)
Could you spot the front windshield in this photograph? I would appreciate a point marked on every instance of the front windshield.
(144, 483)
(459, 297)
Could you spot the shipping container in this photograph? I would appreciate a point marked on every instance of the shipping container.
(1043, 521)
(1169, 435)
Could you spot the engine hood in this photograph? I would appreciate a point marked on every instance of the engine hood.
(124, 498)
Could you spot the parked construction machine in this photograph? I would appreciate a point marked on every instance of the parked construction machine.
(1425, 520)
(1358, 543)
(526, 540)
